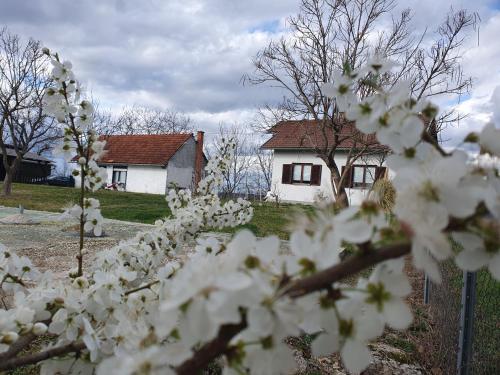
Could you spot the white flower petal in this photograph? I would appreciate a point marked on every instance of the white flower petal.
(472, 260)
(233, 281)
(355, 356)
(425, 262)
(325, 344)
(398, 314)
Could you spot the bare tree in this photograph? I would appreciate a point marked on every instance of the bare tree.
(23, 125)
(141, 120)
(329, 36)
(264, 161)
(235, 179)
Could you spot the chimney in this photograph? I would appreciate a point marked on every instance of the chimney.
(198, 159)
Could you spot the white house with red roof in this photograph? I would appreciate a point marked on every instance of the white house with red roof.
(153, 163)
(300, 175)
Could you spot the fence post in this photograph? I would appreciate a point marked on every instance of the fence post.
(427, 291)
(466, 324)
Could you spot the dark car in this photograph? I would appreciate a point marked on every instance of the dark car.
(68, 181)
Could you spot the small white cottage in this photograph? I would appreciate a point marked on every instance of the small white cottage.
(153, 163)
(299, 175)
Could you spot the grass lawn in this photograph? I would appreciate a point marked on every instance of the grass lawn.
(269, 219)
(143, 208)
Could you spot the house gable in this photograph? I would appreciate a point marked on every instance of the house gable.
(180, 167)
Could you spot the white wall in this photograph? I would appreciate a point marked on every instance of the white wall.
(307, 193)
(109, 171)
(146, 179)
(140, 178)
(180, 167)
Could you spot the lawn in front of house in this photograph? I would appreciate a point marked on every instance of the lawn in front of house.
(269, 219)
(143, 208)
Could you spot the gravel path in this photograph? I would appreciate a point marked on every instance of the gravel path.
(53, 244)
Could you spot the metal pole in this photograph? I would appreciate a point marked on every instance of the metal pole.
(466, 324)
(427, 291)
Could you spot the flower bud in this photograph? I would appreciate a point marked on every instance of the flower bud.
(9, 338)
(73, 272)
(81, 282)
(59, 300)
(39, 328)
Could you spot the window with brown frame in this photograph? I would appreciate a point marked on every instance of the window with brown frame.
(363, 176)
(301, 173)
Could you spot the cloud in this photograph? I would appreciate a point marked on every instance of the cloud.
(481, 63)
(495, 106)
(191, 54)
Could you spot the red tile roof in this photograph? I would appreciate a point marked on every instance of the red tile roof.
(142, 149)
(308, 134)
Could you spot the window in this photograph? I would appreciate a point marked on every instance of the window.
(303, 174)
(120, 176)
(363, 176)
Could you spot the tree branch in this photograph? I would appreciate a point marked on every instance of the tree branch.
(210, 351)
(42, 356)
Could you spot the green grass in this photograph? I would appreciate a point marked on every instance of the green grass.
(486, 355)
(144, 208)
(269, 219)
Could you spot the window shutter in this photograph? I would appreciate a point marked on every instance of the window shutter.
(286, 176)
(348, 176)
(380, 173)
(316, 175)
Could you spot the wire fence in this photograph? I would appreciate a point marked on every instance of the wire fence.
(465, 310)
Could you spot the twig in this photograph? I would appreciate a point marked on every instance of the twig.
(146, 286)
(37, 357)
(349, 267)
(16, 347)
(82, 221)
(211, 350)
(427, 137)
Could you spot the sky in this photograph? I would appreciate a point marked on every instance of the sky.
(190, 55)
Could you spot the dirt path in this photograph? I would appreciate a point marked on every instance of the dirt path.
(52, 244)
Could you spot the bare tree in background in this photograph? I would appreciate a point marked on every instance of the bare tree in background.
(329, 36)
(141, 120)
(236, 178)
(23, 125)
(264, 161)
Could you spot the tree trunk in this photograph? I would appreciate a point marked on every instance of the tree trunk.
(339, 192)
(9, 177)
